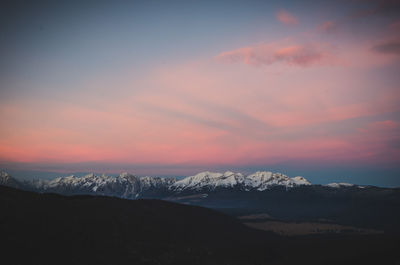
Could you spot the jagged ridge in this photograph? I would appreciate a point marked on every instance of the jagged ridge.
(259, 181)
(131, 186)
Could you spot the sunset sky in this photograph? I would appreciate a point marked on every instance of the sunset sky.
(307, 88)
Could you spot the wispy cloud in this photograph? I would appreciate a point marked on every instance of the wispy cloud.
(389, 47)
(302, 55)
(287, 18)
(257, 103)
(390, 43)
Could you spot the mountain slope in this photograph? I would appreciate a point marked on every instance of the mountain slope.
(54, 229)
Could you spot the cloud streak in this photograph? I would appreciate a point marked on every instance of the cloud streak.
(390, 47)
(390, 43)
(267, 54)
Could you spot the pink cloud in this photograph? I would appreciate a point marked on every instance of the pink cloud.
(287, 18)
(382, 127)
(390, 43)
(380, 139)
(328, 27)
(267, 54)
(205, 112)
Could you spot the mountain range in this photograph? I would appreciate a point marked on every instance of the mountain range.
(132, 187)
(263, 193)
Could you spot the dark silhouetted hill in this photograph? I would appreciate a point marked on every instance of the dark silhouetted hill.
(54, 229)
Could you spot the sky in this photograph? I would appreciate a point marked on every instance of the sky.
(172, 88)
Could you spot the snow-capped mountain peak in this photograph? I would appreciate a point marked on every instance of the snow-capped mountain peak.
(5, 178)
(339, 185)
(130, 186)
(261, 180)
(124, 175)
(208, 179)
(125, 185)
(301, 181)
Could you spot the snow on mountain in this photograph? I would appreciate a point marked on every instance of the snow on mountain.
(124, 185)
(8, 180)
(339, 185)
(265, 179)
(208, 180)
(5, 178)
(131, 186)
(259, 181)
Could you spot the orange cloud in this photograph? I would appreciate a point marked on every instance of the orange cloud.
(287, 18)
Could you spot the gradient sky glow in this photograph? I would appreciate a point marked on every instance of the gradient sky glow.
(308, 88)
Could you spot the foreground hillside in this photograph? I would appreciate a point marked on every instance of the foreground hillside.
(53, 229)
